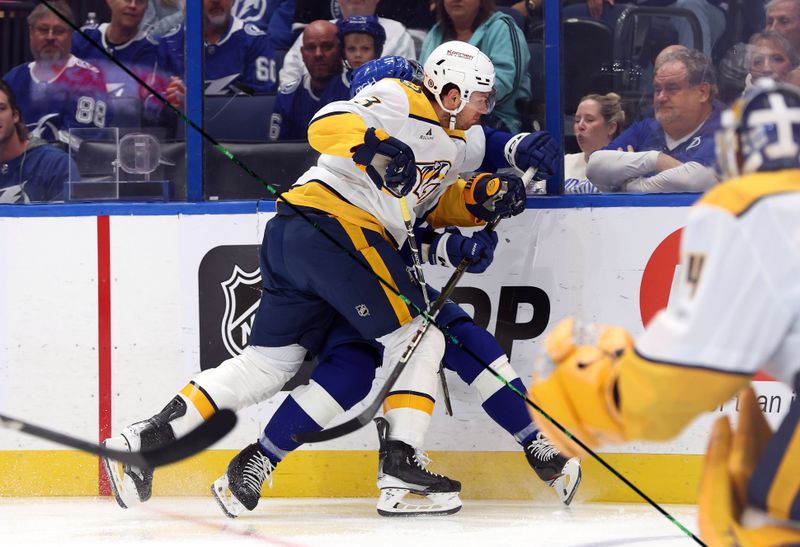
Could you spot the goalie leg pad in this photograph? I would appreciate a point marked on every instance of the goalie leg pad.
(400, 502)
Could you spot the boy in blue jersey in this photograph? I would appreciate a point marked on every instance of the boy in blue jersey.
(57, 91)
(238, 56)
(675, 151)
(124, 39)
(30, 169)
(323, 82)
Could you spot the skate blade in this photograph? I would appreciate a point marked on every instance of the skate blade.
(122, 486)
(225, 499)
(394, 502)
(566, 485)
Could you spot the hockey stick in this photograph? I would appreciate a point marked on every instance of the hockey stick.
(412, 244)
(197, 440)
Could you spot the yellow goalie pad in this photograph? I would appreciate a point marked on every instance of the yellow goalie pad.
(730, 461)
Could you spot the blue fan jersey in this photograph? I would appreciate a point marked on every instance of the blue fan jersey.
(138, 55)
(296, 104)
(37, 175)
(275, 17)
(647, 134)
(244, 55)
(75, 98)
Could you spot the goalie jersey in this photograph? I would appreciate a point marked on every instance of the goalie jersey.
(336, 185)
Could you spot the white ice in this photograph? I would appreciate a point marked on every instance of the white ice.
(332, 522)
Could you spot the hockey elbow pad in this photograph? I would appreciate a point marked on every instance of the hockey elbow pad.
(395, 170)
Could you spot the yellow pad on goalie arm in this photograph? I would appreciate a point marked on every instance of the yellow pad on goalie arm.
(730, 461)
(604, 392)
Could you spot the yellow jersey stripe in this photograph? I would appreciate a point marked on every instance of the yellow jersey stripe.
(318, 196)
(200, 399)
(409, 399)
(739, 194)
(786, 484)
(378, 266)
(337, 133)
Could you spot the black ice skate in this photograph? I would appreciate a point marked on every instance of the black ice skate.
(132, 485)
(240, 487)
(402, 471)
(563, 474)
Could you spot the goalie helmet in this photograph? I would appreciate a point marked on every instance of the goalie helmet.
(761, 131)
(462, 65)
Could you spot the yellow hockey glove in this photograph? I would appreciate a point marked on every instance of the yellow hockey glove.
(580, 394)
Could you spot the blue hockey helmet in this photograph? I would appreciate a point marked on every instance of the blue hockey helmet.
(367, 24)
(392, 66)
(761, 131)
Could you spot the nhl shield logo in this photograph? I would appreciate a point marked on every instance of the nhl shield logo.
(241, 302)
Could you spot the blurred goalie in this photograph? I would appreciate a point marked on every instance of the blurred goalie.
(737, 311)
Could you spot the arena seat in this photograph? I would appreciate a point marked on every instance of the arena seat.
(277, 163)
(238, 118)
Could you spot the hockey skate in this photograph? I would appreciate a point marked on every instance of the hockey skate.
(563, 474)
(240, 487)
(402, 471)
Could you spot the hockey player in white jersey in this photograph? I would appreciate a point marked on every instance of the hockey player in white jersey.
(737, 310)
(398, 142)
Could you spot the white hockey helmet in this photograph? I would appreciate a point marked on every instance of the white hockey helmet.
(462, 65)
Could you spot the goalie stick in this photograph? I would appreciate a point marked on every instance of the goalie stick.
(366, 415)
(197, 440)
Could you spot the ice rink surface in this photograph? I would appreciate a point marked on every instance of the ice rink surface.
(336, 522)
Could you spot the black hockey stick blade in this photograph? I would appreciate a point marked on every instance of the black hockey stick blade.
(206, 434)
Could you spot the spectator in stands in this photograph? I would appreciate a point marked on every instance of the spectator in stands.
(771, 56)
(57, 91)
(238, 56)
(675, 151)
(30, 169)
(361, 39)
(398, 41)
(498, 36)
(275, 17)
(161, 16)
(324, 81)
(598, 120)
(124, 39)
(783, 17)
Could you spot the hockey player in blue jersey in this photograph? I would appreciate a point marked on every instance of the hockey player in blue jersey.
(323, 82)
(238, 56)
(326, 78)
(30, 169)
(57, 91)
(123, 38)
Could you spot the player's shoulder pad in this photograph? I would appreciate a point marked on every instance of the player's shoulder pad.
(738, 195)
(86, 28)
(253, 30)
(290, 87)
